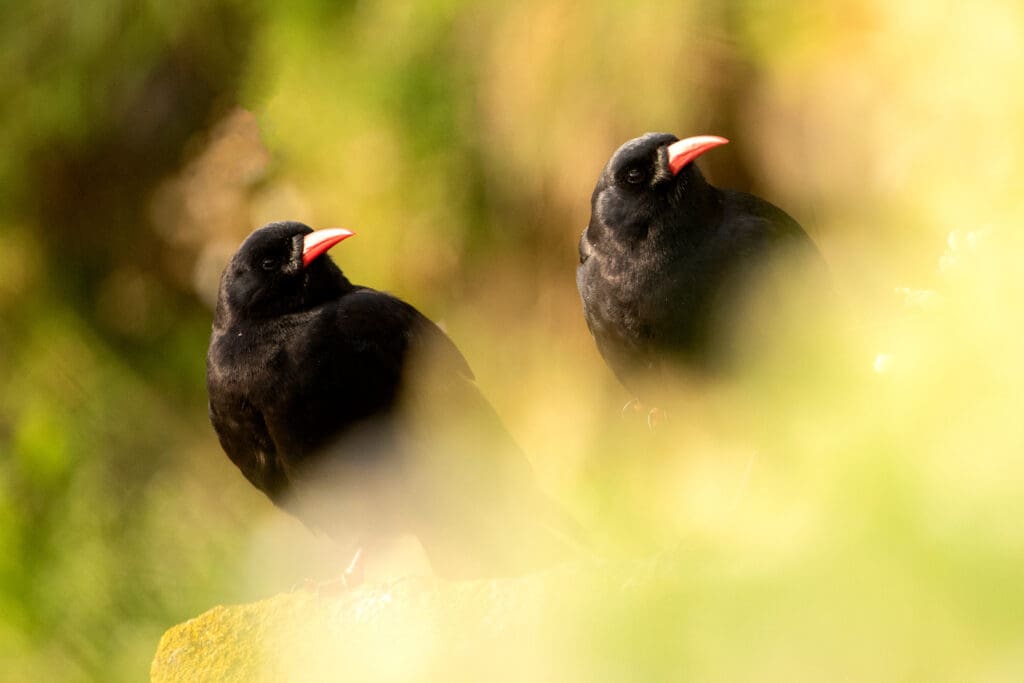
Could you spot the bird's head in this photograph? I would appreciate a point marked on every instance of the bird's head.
(647, 178)
(278, 270)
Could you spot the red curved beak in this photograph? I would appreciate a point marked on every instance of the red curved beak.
(682, 152)
(317, 242)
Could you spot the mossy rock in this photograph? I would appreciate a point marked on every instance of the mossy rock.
(530, 628)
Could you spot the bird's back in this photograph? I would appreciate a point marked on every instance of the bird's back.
(374, 426)
(655, 309)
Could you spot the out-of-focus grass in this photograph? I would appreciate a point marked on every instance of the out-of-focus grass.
(846, 506)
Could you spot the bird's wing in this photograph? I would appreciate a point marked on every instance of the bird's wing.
(473, 497)
(355, 361)
(391, 329)
(244, 437)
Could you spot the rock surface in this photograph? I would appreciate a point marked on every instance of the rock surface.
(532, 628)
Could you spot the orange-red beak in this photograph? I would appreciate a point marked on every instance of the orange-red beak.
(682, 152)
(319, 241)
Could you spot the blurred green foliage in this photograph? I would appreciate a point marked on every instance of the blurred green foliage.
(835, 518)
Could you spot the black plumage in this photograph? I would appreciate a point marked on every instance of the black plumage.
(350, 409)
(666, 255)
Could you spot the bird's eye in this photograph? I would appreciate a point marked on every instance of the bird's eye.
(635, 176)
(268, 264)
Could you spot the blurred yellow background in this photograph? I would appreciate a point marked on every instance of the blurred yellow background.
(848, 507)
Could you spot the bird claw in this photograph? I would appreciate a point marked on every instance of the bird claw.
(354, 575)
(633, 406)
(328, 588)
(656, 417)
(335, 587)
(350, 578)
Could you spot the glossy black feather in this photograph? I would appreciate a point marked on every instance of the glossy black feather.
(661, 260)
(350, 409)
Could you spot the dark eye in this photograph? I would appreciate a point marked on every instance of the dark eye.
(268, 264)
(635, 176)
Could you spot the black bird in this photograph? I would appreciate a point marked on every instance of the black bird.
(350, 409)
(665, 255)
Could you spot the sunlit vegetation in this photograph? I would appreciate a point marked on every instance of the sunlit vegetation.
(846, 506)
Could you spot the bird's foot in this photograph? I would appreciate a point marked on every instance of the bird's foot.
(354, 573)
(328, 588)
(350, 578)
(632, 407)
(334, 587)
(656, 417)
